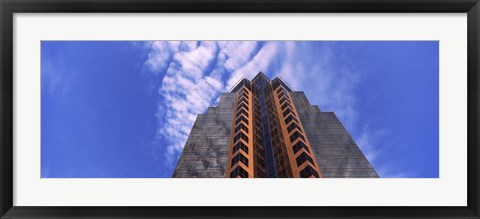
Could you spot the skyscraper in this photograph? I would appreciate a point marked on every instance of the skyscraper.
(264, 129)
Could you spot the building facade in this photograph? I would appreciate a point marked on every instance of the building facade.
(264, 129)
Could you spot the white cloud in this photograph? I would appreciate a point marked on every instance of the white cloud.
(160, 54)
(238, 53)
(259, 62)
(368, 141)
(187, 88)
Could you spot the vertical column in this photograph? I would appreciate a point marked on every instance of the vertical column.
(301, 157)
(240, 155)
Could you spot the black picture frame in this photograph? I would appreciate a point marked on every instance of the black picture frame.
(9, 7)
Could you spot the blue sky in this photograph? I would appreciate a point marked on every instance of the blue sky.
(124, 109)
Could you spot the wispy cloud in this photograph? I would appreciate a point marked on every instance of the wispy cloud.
(160, 55)
(193, 76)
(186, 88)
(261, 61)
(369, 139)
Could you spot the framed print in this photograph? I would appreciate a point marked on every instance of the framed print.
(239, 109)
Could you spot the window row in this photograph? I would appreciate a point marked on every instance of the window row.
(241, 146)
(308, 171)
(286, 112)
(302, 158)
(283, 100)
(242, 112)
(299, 145)
(239, 171)
(243, 99)
(282, 93)
(242, 105)
(243, 95)
(295, 136)
(289, 111)
(241, 158)
(242, 136)
(285, 105)
(241, 118)
(293, 126)
(241, 126)
(290, 118)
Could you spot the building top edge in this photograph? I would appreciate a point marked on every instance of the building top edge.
(259, 75)
(239, 82)
(284, 82)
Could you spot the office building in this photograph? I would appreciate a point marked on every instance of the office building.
(264, 129)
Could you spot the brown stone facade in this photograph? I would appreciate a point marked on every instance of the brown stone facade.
(302, 160)
(267, 137)
(240, 155)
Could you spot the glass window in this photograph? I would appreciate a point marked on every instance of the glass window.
(242, 95)
(240, 145)
(239, 171)
(241, 118)
(242, 111)
(293, 126)
(295, 136)
(242, 136)
(241, 158)
(286, 112)
(243, 99)
(241, 126)
(299, 145)
(302, 158)
(290, 118)
(243, 105)
(308, 171)
(285, 105)
(283, 100)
